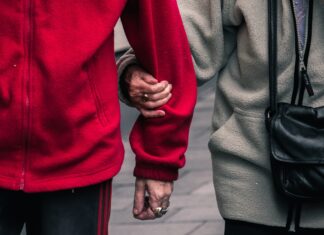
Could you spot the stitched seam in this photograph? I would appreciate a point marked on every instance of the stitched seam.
(97, 99)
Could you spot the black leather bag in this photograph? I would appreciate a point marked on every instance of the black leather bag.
(296, 136)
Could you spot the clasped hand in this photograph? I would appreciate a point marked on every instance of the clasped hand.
(146, 93)
(152, 197)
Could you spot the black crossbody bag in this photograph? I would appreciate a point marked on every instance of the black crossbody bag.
(296, 132)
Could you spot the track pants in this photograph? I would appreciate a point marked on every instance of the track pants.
(82, 211)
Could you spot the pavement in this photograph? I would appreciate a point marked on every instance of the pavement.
(193, 209)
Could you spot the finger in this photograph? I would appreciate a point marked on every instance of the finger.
(152, 113)
(138, 87)
(155, 201)
(159, 194)
(156, 88)
(148, 78)
(146, 214)
(161, 95)
(166, 203)
(137, 72)
(156, 104)
(139, 197)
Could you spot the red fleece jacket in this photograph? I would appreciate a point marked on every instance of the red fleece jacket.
(59, 110)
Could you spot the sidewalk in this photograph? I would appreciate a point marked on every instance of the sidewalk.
(193, 209)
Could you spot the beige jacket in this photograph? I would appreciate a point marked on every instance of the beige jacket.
(229, 39)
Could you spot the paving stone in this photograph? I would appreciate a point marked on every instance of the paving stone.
(210, 228)
(196, 215)
(121, 191)
(153, 229)
(121, 203)
(191, 180)
(193, 201)
(199, 159)
(206, 189)
(123, 178)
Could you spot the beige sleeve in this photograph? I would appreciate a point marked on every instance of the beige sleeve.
(211, 27)
(123, 62)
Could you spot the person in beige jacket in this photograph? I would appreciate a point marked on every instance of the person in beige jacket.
(229, 40)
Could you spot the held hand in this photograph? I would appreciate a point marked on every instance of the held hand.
(155, 204)
(146, 93)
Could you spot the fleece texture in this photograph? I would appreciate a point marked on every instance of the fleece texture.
(59, 108)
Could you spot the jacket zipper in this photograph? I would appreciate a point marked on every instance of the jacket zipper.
(301, 52)
(27, 40)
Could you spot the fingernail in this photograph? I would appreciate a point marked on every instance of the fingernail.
(135, 211)
(162, 114)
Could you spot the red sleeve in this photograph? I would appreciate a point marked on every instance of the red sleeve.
(156, 33)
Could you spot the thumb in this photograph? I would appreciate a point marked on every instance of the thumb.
(139, 197)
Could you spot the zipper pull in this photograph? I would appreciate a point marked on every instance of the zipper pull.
(307, 83)
(305, 77)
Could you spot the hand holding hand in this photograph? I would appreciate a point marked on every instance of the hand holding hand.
(155, 204)
(146, 93)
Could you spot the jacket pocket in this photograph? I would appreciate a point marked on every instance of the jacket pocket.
(242, 136)
(101, 112)
(218, 132)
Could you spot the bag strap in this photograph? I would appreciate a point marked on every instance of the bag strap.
(272, 45)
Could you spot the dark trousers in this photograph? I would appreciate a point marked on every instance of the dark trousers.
(233, 227)
(82, 211)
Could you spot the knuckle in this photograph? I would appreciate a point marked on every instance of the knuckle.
(146, 115)
(160, 195)
(149, 105)
(133, 81)
(151, 89)
(132, 93)
(168, 192)
(153, 97)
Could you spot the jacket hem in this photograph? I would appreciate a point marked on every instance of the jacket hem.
(62, 183)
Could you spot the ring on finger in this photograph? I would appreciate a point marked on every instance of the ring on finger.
(145, 97)
(160, 211)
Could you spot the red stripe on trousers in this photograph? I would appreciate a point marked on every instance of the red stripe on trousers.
(104, 207)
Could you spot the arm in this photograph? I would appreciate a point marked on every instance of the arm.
(155, 32)
(204, 27)
(207, 34)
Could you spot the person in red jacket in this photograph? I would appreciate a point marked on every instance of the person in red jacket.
(60, 141)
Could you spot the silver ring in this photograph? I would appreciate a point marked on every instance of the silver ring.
(145, 97)
(159, 212)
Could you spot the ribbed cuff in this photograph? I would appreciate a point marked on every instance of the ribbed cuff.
(156, 172)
